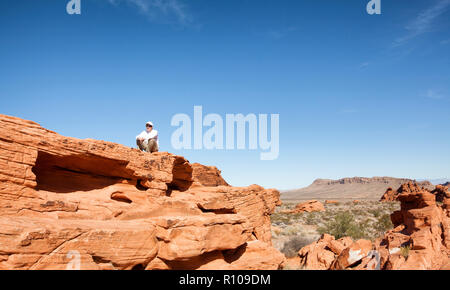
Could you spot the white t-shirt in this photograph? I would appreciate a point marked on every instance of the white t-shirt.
(147, 136)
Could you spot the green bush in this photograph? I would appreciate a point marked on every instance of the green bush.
(384, 223)
(375, 212)
(405, 251)
(278, 218)
(342, 226)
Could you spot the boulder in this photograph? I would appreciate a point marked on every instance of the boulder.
(321, 254)
(207, 175)
(352, 255)
(389, 195)
(308, 206)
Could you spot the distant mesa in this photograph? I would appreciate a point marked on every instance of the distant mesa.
(349, 188)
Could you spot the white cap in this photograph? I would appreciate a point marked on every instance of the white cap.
(149, 123)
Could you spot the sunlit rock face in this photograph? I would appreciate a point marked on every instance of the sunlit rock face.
(68, 203)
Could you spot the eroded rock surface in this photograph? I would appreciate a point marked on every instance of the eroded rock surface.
(208, 175)
(408, 187)
(100, 205)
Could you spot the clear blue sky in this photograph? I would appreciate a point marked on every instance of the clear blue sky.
(358, 95)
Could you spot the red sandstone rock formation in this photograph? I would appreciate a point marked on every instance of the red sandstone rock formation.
(389, 195)
(440, 192)
(420, 239)
(409, 187)
(331, 202)
(112, 207)
(321, 254)
(207, 175)
(308, 206)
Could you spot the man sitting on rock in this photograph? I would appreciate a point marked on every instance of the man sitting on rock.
(148, 139)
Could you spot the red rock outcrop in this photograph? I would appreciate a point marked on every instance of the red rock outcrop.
(331, 202)
(389, 195)
(409, 187)
(440, 192)
(321, 254)
(71, 203)
(308, 206)
(207, 175)
(422, 228)
(419, 241)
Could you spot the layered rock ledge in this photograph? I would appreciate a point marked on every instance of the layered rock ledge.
(119, 208)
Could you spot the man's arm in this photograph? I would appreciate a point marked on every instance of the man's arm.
(155, 135)
(140, 136)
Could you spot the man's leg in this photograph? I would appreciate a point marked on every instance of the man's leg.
(152, 146)
(140, 145)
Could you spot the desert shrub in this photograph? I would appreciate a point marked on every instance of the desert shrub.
(392, 205)
(359, 212)
(290, 231)
(326, 218)
(280, 218)
(293, 245)
(405, 251)
(375, 212)
(288, 206)
(343, 225)
(384, 223)
(296, 216)
(311, 218)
